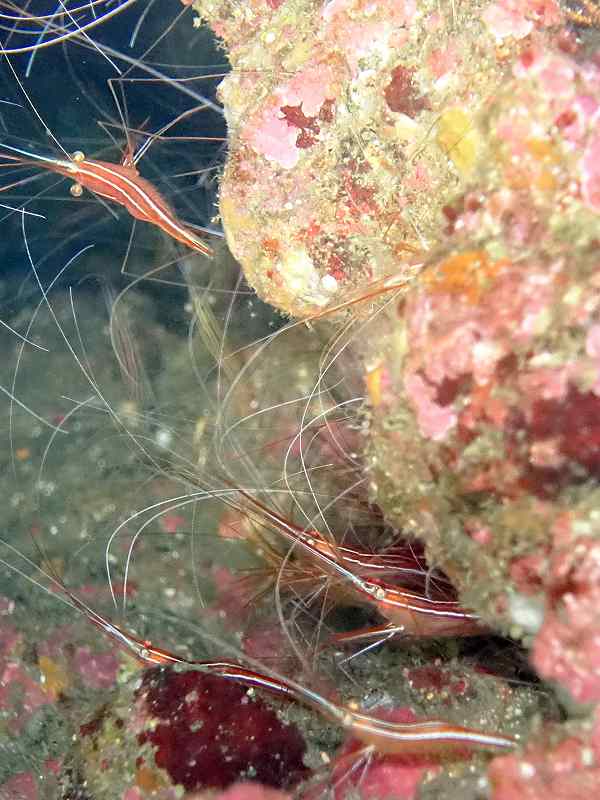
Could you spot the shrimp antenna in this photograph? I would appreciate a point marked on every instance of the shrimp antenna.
(33, 108)
(78, 31)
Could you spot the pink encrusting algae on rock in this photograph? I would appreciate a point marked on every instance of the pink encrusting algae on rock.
(590, 169)
(245, 790)
(345, 147)
(565, 767)
(567, 648)
(22, 786)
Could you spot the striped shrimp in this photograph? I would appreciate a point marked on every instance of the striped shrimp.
(407, 612)
(118, 183)
(382, 737)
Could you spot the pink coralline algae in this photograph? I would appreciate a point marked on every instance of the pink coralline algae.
(97, 670)
(507, 19)
(21, 693)
(244, 790)
(435, 420)
(516, 19)
(491, 354)
(499, 426)
(345, 149)
(250, 791)
(275, 138)
(590, 185)
(567, 769)
(22, 786)
(567, 648)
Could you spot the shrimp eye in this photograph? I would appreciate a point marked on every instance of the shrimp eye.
(76, 189)
(78, 156)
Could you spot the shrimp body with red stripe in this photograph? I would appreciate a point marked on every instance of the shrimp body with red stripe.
(407, 612)
(380, 736)
(122, 184)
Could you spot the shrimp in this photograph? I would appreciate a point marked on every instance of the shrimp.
(407, 612)
(431, 737)
(49, 23)
(118, 183)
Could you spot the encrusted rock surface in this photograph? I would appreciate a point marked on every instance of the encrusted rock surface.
(352, 125)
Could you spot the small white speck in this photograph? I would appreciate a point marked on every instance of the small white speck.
(329, 283)
(163, 438)
(526, 612)
(587, 757)
(526, 769)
